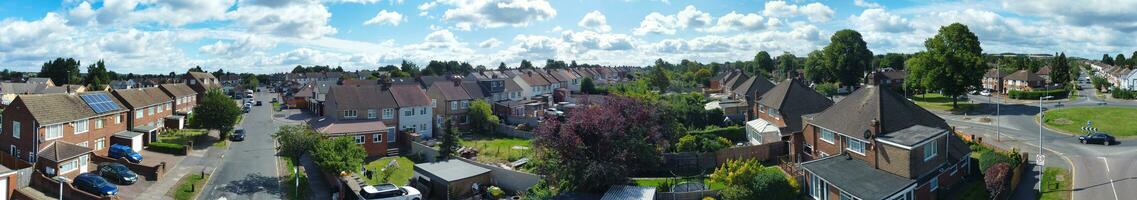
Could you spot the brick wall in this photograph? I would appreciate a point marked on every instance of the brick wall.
(152, 173)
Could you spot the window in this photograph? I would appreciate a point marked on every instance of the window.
(81, 126)
(150, 111)
(465, 104)
(934, 183)
(14, 151)
(54, 131)
(388, 113)
(818, 189)
(375, 138)
(67, 167)
(84, 144)
(409, 112)
(138, 114)
(847, 196)
(930, 150)
(100, 143)
(433, 103)
(827, 135)
(453, 105)
(117, 119)
(16, 129)
(349, 114)
(359, 139)
(371, 114)
(855, 145)
(99, 123)
(83, 160)
(421, 111)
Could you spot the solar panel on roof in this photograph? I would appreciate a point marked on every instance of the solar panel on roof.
(99, 102)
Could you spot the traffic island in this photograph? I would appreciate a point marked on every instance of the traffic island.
(1117, 121)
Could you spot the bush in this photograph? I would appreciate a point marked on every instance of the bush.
(989, 158)
(770, 184)
(495, 191)
(734, 133)
(1027, 95)
(170, 148)
(704, 142)
(1119, 93)
(997, 179)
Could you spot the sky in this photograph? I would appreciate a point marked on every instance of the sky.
(267, 36)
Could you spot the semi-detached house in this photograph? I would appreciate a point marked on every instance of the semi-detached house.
(59, 132)
(450, 101)
(201, 82)
(375, 115)
(184, 101)
(875, 144)
(779, 112)
(148, 110)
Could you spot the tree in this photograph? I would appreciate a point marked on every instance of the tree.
(295, 140)
(198, 69)
(218, 73)
(893, 60)
(770, 184)
(215, 111)
(1060, 69)
(252, 82)
(1106, 59)
(61, 71)
(481, 116)
(586, 152)
(525, 64)
(704, 142)
(502, 67)
(338, 154)
(1100, 83)
(97, 75)
(659, 78)
(951, 64)
(815, 69)
(587, 86)
(997, 179)
(847, 57)
(787, 67)
(448, 146)
(735, 172)
(764, 62)
(409, 67)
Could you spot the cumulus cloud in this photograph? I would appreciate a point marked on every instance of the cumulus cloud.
(589, 40)
(127, 12)
(424, 8)
(595, 21)
(779, 9)
(385, 17)
(668, 24)
(746, 22)
(489, 43)
(469, 14)
(1103, 13)
(32, 35)
(245, 45)
(308, 20)
(879, 20)
(865, 4)
(817, 12)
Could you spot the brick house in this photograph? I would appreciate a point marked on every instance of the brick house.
(148, 109)
(779, 111)
(450, 101)
(184, 99)
(201, 82)
(1023, 80)
(36, 124)
(875, 144)
(749, 91)
(372, 134)
(993, 81)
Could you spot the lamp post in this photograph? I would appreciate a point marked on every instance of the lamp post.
(1041, 156)
(61, 179)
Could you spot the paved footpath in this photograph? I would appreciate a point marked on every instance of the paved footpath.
(195, 162)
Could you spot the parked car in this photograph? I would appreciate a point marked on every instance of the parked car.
(273, 100)
(1102, 138)
(122, 151)
(389, 191)
(238, 135)
(94, 184)
(257, 104)
(117, 172)
(985, 93)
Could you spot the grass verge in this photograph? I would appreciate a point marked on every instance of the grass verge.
(1117, 121)
(940, 102)
(189, 186)
(401, 175)
(182, 137)
(292, 189)
(1057, 184)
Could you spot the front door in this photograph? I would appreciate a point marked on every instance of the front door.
(83, 163)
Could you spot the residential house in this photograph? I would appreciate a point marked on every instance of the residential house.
(1129, 81)
(572, 81)
(58, 131)
(66, 88)
(40, 80)
(201, 82)
(1023, 80)
(556, 80)
(732, 109)
(449, 101)
(319, 95)
(751, 89)
(372, 134)
(474, 90)
(718, 82)
(127, 84)
(415, 109)
(875, 144)
(9, 91)
(779, 111)
(993, 81)
(8, 182)
(427, 81)
(1044, 72)
(184, 99)
(517, 89)
(368, 113)
(538, 84)
(492, 85)
(734, 82)
(148, 109)
(893, 78)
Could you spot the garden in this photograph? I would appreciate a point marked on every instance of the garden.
(384, 170)
(498, 149)
(1117, 121)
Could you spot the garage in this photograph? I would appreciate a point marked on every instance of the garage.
(129, 138)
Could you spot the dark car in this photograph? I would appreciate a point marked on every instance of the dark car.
(94, 184)
(238, 135)
(258, 103)
(122, 151)
(1101, 138)
(117, 173)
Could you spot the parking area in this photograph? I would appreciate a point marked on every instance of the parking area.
(150, 158)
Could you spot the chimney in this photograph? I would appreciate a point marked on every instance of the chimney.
(384, 82)
(457, 80)
(875, 125)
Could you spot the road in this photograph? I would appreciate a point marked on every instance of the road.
(1100, 172)
(249, 170)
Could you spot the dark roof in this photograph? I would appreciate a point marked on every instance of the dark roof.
(856, 177)
(912, 135)
(1044, 71)
(60, 151)
(427, 81)
(408, 95)
(854, 114)
(450, 92)
(38, 80)
(793, 98)
(1024, 75)
(359, 82)
(201, 75)
(473, 89)
(177, 89)
(141, 97)
(22, 88)
(55, 108)
(331, 127)
(735, 81)
(753, 87)
(451, 170)
(895, 74)
(995, 73)
(361, 96)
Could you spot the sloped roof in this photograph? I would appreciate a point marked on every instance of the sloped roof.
(753, 87)
(22, 88)
(1024, 75)
(1044, 71)
(141, 97)
(201, 75)
(331, 127)
(361, 96)
(61, 151)
(854, 114)
(177, 89)
(895, 74)
(56, 108)
(473, 89)
(793, 99)
(451, 92)
(995, 73)
(533, 79)
(359, 82)
(735, 81)
(409, 95)
(66, 88)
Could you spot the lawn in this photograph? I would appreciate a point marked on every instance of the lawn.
(936, 101)
(189, 186)
(662, 181)
(500, 149)
(294, 191)
(1117, 121)
(402, 173)
(182, 137)
(1056, 189)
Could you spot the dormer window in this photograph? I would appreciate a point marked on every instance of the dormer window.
(930, 150)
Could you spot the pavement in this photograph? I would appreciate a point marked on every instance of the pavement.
(1100, 172)
(250, 169)
(196, 160)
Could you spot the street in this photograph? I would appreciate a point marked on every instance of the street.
(1100, 172)
(249, 170)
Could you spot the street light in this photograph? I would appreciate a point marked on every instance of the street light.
(61, 179)
(1041, 157)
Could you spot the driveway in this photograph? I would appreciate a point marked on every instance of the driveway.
(249, 170)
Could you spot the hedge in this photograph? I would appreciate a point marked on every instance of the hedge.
(170, 148)
(735, 134)
(1119, 93)
(1027, 95)
(988, 158)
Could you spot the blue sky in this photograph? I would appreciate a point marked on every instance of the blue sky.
(159, 36)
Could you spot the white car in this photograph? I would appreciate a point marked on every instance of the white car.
(388, 191)
(985, 93)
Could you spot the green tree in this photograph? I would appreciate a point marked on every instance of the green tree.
(61, 71)
(705, 142)
(1120, 60)
(409, 67)
(525, 64)
(97, 75)
(198, 69)
(448, 144)
(502, 67)
(481, 116)
(952, 62)
(1060, 69)
(659, 78)
(587, 86)
(893, 60)
(215, 111)
(339, 154)
(847, 57)
(295, 140)
(764, 63)
(787, 65)
(252, 81)
(770, 184)
(815, 69)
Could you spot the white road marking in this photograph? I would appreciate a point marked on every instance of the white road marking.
(1110, 178)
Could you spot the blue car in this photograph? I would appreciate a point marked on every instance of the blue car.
(122, 151)
(91, 183)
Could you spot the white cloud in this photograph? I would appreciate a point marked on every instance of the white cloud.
(489, 43)
(817, 12)
(245, 45)
(734, 21)
(303, 20)
(385, 17)
(879, 20)
(589, 40)
(668, 24)
(779, 9)
(424, 8)
(19, 35)
(595, 21)
(865, 4)
(693, 17)
(82, 14)
(469, 14)
(1119, 15)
